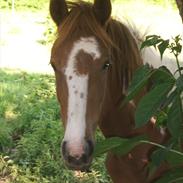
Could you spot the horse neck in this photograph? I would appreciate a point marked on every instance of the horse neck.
(116, 121)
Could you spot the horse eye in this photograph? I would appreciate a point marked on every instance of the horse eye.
(106, 65)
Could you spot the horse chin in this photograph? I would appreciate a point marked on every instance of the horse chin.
(81, 162)
(82, 168)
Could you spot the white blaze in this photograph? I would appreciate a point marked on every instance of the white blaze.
(77, 87)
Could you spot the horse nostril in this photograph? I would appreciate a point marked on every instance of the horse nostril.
(77, 156)
(78, 160)
(71, 159)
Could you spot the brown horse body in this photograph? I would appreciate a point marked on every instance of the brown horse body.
(104, 95)
(133, 167)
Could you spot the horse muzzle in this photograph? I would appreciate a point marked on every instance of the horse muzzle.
(78, 156)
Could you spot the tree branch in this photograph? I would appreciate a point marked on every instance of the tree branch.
(180, 7)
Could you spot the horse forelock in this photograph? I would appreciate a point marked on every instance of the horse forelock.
(82, 21)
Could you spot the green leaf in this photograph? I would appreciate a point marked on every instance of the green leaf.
(139, 80)
(162, 47)
(179, 83)
(166, 154)
(141, 77)
(162, 75)
(169, 98)
(174, 159)
(161, 118)
(164, 147)
(127, 146)
(150, 103)
(158, 157)
(175, 118)
(117, 145)
(177, 48)
(151, 40)
(171, 176)
(107, 145)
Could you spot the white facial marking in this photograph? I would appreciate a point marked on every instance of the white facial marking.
(77, 93)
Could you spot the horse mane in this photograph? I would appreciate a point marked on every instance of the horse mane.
(115, 36)
(127, 57)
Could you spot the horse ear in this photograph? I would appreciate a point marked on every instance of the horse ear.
(58, 10)
(102, 10)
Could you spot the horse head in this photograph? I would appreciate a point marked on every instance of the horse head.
(81, 61)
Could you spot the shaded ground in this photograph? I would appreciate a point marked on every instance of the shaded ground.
(19, 47)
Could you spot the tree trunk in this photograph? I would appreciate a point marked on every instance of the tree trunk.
(180, 7)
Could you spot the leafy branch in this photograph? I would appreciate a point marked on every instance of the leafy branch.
(174, 46)
(163, 101)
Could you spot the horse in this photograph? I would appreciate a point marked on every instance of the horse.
(94, 57)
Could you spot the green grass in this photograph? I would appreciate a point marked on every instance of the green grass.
(31, 133)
